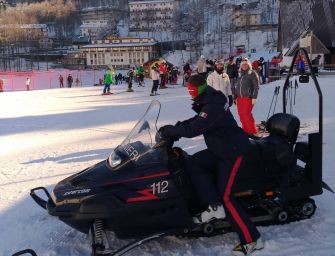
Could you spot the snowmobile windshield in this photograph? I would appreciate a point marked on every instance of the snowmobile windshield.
(138, 146)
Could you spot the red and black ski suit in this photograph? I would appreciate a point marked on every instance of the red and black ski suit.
(227, 144)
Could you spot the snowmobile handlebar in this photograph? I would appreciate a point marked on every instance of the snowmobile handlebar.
(40, 201)
(162, 141)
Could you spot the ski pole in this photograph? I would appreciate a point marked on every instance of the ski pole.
(296, 85)
(277, 93)
(267, 117)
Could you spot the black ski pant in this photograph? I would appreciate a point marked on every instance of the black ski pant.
(155, 84)
(213, 179)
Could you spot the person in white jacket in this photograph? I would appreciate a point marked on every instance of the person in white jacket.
(219, 80)
(202, 66)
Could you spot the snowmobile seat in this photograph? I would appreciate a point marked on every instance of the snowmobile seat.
(284, 125)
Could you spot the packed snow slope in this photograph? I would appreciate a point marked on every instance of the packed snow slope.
(48, 135)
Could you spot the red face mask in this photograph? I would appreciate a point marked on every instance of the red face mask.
(193, 90)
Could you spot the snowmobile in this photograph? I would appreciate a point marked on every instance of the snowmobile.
(142, 192)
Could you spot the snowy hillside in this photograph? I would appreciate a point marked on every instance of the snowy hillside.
(48, 135)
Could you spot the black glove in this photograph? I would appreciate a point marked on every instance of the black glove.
(230, 100)
(167, 132)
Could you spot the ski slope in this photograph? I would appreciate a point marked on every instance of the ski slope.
(48, 135)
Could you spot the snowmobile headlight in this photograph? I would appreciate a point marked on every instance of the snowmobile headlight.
(114, 159)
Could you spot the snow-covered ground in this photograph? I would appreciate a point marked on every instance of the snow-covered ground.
(47, 135)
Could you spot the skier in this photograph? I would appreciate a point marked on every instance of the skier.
(69, 81)
(154, 72)
(202, 66)
(28, 83)
(232, 72)
(227, 144)
(246, 93)
(219, 80)
(107, 82)
(61, 81)
(140, 75)
(130, 77)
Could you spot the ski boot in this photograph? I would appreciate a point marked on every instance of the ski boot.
(248, 249)
(129, 90)
(214, 211)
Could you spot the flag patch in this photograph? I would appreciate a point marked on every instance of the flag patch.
(203, 114)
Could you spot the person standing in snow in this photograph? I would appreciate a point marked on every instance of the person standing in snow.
(316, 63)
(232, 72)
(140, 75)
(224, 158)
(69, 81)
(107, 83)
(300, 64)
(246, 95)
(163, 74)
(260, 69)
(202, 66)
(130, 77)
(154, 73)
(77, 82)
(1, 85)
(187, 73)
(219, 80)
(28, 83)
(61, 81)
(238, 62)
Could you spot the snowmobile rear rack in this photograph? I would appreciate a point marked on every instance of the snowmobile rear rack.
(41, 202)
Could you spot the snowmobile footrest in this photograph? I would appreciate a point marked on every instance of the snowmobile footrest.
(27, 251)
(41, 202)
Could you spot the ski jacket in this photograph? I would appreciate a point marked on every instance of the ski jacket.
(139, 70)
(108, 79)
(232, 70)
(220, 82)
(201, 66)
(162, 68)
(223, 137)
(154, 74)
(247, 84)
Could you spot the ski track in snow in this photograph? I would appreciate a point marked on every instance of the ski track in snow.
(48, 135)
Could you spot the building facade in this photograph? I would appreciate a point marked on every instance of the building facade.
(151, 15)
(243, 18)
(92, 28)
(121, 52)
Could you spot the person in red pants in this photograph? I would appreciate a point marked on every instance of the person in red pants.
(246, 95)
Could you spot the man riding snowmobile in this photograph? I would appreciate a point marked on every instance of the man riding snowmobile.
(227, 144)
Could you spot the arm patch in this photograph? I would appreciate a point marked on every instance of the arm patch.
(203, 114)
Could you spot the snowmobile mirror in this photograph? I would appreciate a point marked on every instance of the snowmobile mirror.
(25, 252)
(304, 79)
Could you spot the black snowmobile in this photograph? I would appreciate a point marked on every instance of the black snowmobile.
(142, 190)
